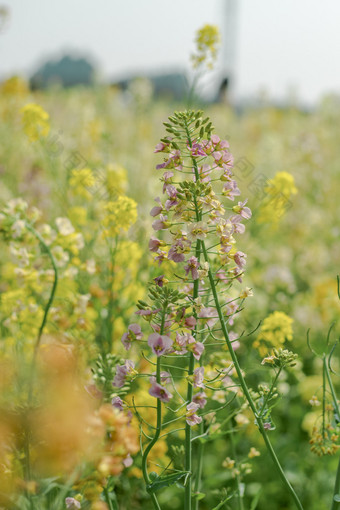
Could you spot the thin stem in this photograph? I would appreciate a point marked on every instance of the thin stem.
(336, 504)
(47, 308)
(36, 348)
(108, 500)
(200, 452)
(268, 396)
(246, 390)
(188, 433)
(238, 478)
(159, 421)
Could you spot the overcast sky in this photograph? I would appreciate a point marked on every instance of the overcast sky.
(277, 45)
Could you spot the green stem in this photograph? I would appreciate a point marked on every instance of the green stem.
(269, 393)
(36, 348)
(336, 504)
(200, 452)
(188, 431)
(108, 500)
(47, 308)
(246, 390)
(238, 478)
(159, 421)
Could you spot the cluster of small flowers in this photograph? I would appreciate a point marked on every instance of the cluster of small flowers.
(22, 307)
(190, 215)
(275, 330)
(207, 41)
(35, 121)
(324, 443)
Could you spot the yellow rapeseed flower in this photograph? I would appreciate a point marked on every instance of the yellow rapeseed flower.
(275, 330)
(207, 40)
(35, 121)
(119, 215)
(278, 193)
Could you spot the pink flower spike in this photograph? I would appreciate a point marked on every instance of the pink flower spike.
(191, 416)
(160, 392)
(160, 344)
(199, 377)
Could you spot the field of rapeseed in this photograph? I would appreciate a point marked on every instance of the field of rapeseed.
(151, 361)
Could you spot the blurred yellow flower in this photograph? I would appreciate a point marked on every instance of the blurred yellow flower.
(207, 40)
(275, 330)
(35, 121)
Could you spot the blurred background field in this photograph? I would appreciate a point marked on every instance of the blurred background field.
(292, 245)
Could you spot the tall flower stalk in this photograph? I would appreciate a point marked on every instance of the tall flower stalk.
(191, 305)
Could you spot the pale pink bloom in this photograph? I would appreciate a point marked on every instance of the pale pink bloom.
(267, 426)
(196, 348)
(128, 461)
(72, 504)
(117, 403)
(222, 276)
(190, 322)
(161, 146)
(122, 371)
(196, 149)
(154, 244)
(240, 259)
(161, 223)
(243, 211)
(239, 228)
(161, 256)
(134, 333)
(180, 343)
(174, 160)
(165, 377)
(198, 231)
(192, 267)
(147, 312)
(208, 313)
(215, 139)
(200, 399)
(191, 416)
(199, 377)
(178, 250)
(231, 310)
(155, 211)
(231, 190)
(160, 392)
(159, 280)
(160, 344)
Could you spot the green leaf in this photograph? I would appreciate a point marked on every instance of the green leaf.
(198, 496)
(160, 482)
